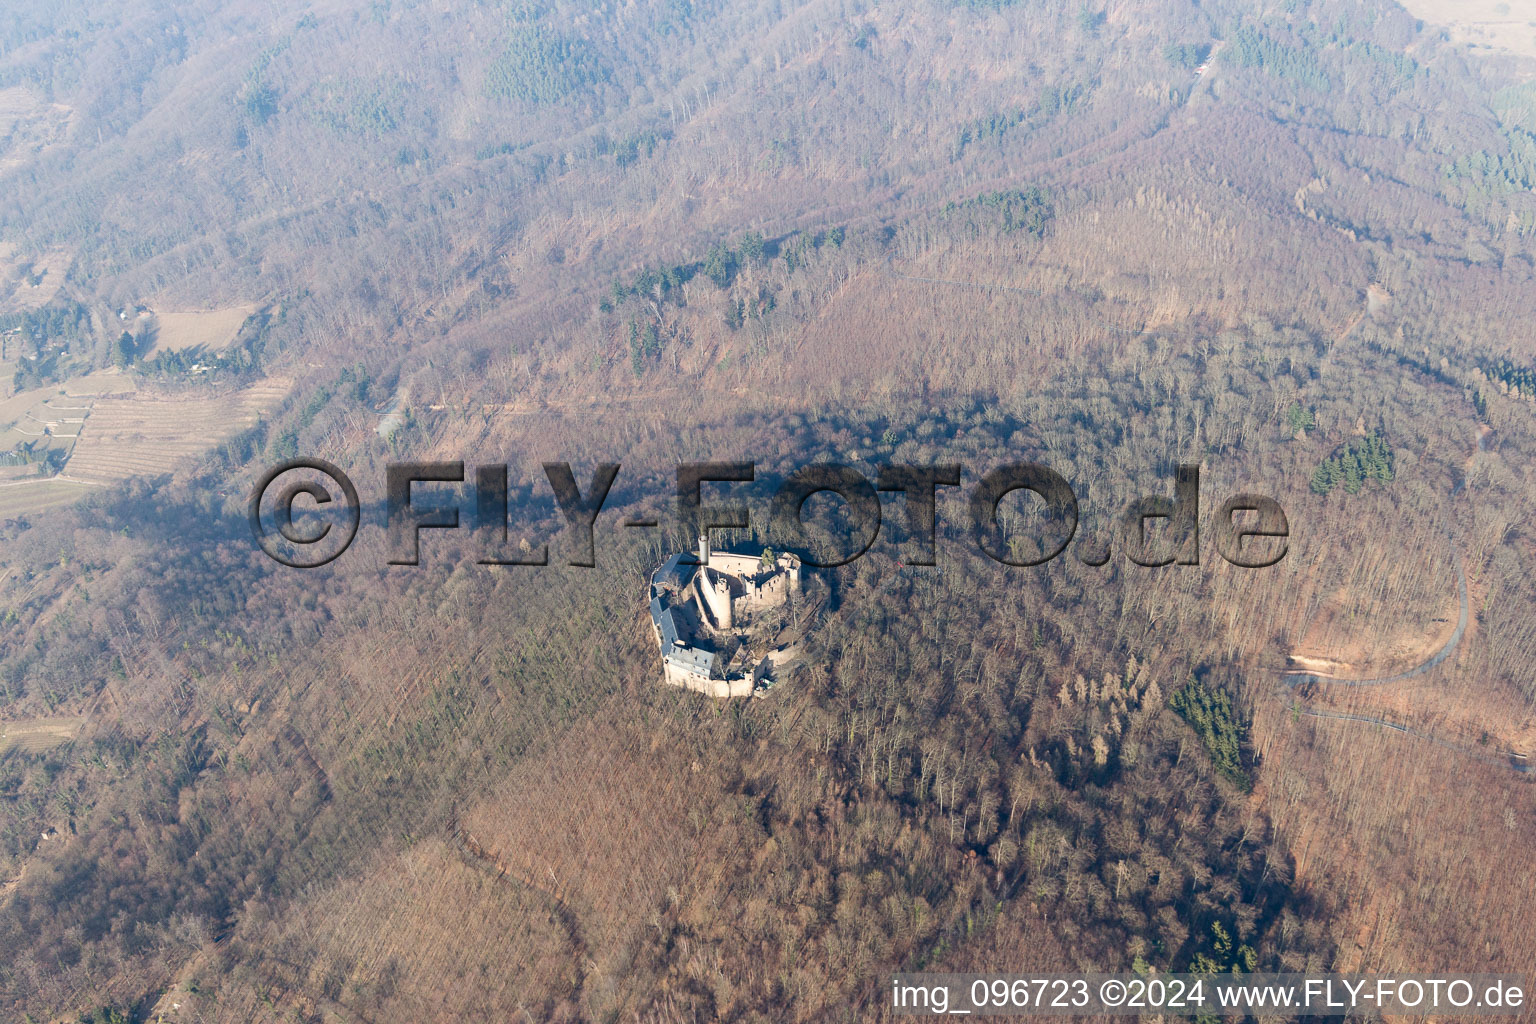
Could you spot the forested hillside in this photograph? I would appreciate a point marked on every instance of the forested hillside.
(1292, 245)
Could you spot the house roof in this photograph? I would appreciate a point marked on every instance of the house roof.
(665, 621)
(675, 650)
(673, 572)
(692, 659)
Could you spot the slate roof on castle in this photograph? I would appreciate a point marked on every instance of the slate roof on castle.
(676, 650)
(688, 658)
(674, 572)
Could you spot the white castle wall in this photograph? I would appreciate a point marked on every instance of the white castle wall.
(710, 687)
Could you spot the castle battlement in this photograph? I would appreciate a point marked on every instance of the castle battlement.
(703, 611)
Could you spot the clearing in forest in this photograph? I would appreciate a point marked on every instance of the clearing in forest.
(30, 282)
(211, 329)
(1483, 24)
(29, 124)
(35, 735)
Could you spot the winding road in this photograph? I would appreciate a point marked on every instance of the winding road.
(1516, 761)
(1302, 678)
(1510, 759)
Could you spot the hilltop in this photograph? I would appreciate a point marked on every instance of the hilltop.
(1295, 248)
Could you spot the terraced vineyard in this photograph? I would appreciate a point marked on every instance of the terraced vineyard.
(125, 437)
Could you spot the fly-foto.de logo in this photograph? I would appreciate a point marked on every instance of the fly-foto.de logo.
(305, 512)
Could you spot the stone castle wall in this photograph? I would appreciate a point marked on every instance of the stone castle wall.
(727, 591)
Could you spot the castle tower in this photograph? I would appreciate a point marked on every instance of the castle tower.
(704, 548)
(727, 613)
(714, 599)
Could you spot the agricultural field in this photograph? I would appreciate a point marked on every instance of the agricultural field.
(98, 384)
(48, 419)
(133, 436)
(42, 412)
(211, 330)
(99, 432)
(19, 497)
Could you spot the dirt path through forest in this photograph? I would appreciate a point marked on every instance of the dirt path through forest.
(1515, 760)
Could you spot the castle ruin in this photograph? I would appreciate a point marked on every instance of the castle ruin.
(704, 611)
